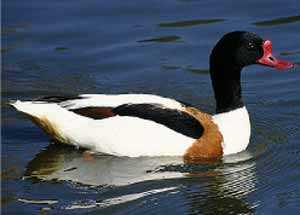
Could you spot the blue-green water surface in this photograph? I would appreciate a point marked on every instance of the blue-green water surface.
(161, 47)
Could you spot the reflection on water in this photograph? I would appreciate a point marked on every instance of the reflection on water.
(197, 71)
(8, 48)
(15, 28)
(278, 21)
(61, 48)
(120, 199)
(188, 23)
(290, 53)
(215, 187)
(163, 39)
(65, 163)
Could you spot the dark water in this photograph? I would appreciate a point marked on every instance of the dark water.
(161, 47)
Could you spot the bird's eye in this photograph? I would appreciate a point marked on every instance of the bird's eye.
(250, 46)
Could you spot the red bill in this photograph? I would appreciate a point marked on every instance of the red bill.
(269, 60)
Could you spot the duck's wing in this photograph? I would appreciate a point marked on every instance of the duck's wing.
(174, 119)
(164, 111)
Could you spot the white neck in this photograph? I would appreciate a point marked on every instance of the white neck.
(235, 128)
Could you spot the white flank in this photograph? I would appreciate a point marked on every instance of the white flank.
(119, 135)
(235, 128)
(102, 100)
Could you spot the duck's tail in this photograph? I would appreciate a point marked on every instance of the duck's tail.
(31, 108)
(53, 119)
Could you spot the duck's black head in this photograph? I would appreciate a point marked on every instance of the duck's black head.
(236, 50)
(232, 52)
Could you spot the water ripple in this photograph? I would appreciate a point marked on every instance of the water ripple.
(189, 23)
(286, 53)
(278, 21)
(163, 39)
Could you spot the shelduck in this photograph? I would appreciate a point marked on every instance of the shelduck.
(149, 125)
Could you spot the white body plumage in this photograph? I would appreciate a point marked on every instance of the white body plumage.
(127, 135)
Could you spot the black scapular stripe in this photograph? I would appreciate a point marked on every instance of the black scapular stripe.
(176, 120)
(56, 99)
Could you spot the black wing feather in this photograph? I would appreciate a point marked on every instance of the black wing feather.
(56, 99)
(174, 119)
